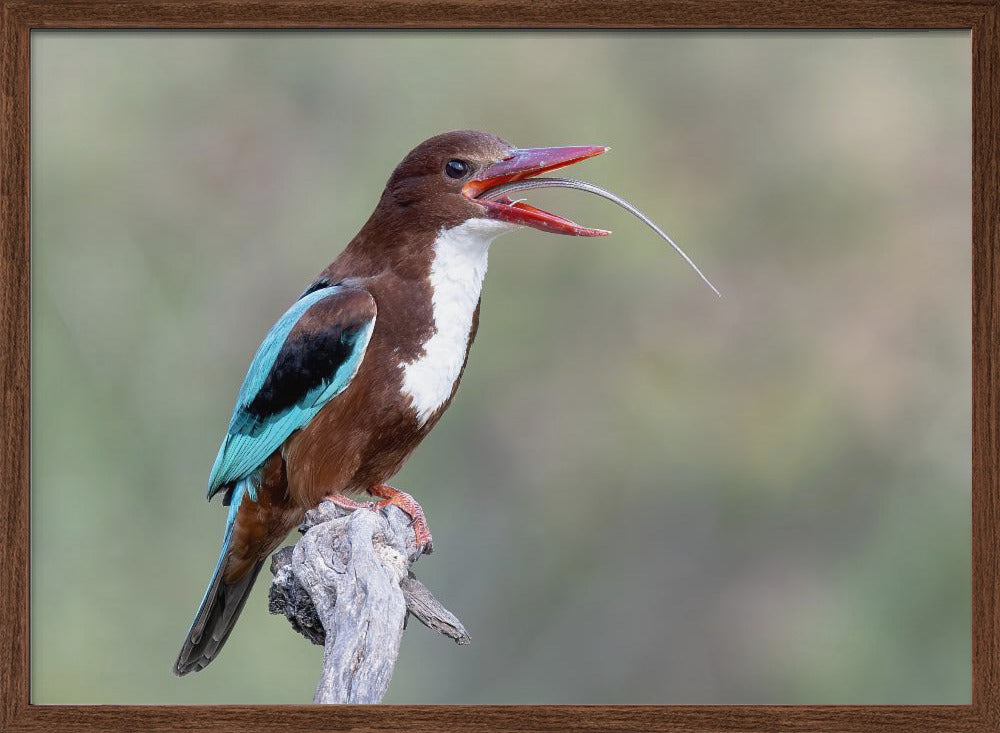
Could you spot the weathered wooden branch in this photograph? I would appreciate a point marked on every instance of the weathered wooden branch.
(347, 585)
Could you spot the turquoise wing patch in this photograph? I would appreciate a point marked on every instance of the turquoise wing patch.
(307, 358)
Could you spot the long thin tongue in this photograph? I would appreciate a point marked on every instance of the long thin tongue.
(501, 192)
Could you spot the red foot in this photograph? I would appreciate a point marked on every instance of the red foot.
(394, 497)
(409, 505)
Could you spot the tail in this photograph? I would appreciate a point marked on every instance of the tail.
(222, 603)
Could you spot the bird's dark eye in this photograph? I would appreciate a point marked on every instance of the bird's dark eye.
(457, 168)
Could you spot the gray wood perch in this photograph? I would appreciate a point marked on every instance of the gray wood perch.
(347, 585)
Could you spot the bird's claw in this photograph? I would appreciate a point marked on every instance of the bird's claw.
(345, 502)
(395, 497)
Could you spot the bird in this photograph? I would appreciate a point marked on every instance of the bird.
(359, 369)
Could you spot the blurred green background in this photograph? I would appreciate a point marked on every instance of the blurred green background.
(642, 494)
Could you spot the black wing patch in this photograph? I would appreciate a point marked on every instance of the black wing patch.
(307, 361)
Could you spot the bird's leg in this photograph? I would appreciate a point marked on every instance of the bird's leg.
(348, 503)
(409, 505)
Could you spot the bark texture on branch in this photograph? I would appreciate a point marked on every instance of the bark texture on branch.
(347, 585)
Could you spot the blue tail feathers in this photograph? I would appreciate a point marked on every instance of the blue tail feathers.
(222, 602)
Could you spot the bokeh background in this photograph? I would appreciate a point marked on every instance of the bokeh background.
(642, 494)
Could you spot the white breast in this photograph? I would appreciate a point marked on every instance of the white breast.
(457, 272)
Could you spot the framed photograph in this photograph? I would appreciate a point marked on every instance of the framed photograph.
(728, 467)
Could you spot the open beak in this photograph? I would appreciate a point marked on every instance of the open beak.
(525, 163)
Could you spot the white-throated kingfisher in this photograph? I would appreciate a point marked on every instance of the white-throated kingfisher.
(360, 368)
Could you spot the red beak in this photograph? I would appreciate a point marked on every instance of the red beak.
(525, 163)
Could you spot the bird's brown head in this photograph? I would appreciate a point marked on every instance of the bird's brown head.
(442, 181)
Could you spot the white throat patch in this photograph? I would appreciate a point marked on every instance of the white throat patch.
(457, 272)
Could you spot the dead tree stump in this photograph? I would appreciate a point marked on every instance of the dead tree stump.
(347, 585)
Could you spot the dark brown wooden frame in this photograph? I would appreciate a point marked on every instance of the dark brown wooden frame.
(20, 17)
